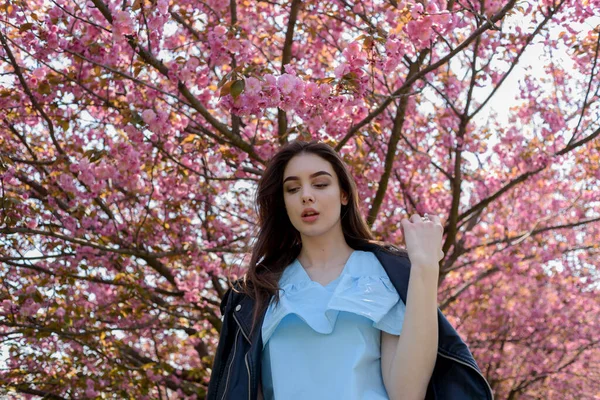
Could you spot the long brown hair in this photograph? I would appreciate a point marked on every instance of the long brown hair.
(278, 242)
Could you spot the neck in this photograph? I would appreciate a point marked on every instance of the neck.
(324, 251)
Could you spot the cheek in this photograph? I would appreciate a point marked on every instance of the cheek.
(333, 202)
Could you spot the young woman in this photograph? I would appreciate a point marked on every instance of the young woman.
(327, 312)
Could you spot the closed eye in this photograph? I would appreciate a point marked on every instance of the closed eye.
(319, 185)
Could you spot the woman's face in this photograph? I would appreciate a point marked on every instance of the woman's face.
(311, 186)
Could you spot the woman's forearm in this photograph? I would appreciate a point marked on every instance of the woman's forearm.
(416, 350)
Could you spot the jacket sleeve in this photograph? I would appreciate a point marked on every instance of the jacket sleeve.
(223, 348)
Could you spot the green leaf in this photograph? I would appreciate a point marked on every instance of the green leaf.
(237, 88)
(224, 79)
(225, 89)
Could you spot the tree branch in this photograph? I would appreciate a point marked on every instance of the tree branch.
(466, 285)
(22, 388)
(149, 59)
(515, 61)
(32, 98)
(534, 232)
(132, 252)
(456, 180)
(489, 24)
(285, 59)
(523, 177)
(393, 142)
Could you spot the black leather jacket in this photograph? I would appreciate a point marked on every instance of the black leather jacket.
(236, 370)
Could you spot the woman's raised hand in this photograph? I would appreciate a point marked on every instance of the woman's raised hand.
(423, 237)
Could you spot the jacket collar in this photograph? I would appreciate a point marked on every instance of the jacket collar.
(243, 310)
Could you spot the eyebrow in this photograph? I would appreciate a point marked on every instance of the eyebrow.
(295, 178)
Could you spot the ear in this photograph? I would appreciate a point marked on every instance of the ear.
(344, 198)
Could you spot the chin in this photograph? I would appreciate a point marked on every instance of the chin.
(314, 231)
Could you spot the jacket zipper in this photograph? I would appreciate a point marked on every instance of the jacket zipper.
(245, 358)
(240, 326)
(249, 378)
(474, 369)
(232, 360)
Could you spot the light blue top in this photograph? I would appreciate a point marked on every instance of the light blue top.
(323, 342)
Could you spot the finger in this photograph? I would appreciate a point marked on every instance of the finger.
(437, 221)
(415, 218)
(435, 218)
(427, 219)
(405, 222)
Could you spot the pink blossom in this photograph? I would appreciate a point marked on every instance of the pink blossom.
(416, 11)
(341, 70)
(492, 6)
(271, 80)
(29, 308)
(220, 31)
(286, 83)
(253, 86)
(290, 69)
(156, 23)
(353, 50)
(233, 45)
(149, 116)
(39, 73)
(89, 391)
(5, 306)
(432, 8)
(122, 23)
(392, 46)
(359, 113)
(66, 182)
(311, 89)
(420, 31)
(162, 6)
(324, 90)
(105, 171)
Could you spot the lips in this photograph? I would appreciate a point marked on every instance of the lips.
(309, 212)
(309, 215)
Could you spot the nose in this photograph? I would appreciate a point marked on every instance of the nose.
(307, 197)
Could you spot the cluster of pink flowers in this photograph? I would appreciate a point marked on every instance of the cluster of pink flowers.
(284, 92)
(492, 6)
(315, 103)
(420, 30)
(352, 71)
(192, 284)
(122, 25)
(217, 38)
(157, 122)
(395, 49)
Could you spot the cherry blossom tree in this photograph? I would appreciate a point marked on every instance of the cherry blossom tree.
(132, 135)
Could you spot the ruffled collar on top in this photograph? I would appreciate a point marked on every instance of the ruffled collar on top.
(362, 288)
